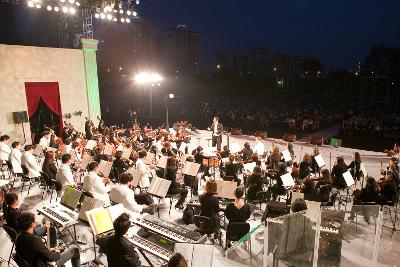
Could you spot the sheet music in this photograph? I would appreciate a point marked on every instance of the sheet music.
(348, 178)
(86, 160)
(115, 211)
(89, 203)
(196, 255)
(71, 197)
(287, 180)
(313, 210)
(202, 255)
(38, 150)
(159, 187)
(90, 144)
(162, 162)
(108, 149)
(364, 170)
(210, 151)
(191, 169)
(126, 152)
(249, 167)
(286, 155)
(136, 174)
(149, 158)
(100, 220)
(320, 161)
(235, 148)
(51, 149)
(226, 189)
(186, 250)
(296, 195)
(105, 167)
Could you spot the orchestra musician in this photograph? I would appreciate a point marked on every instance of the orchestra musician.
(274, 158)
(144, 169)
(45, 140)
(389, 182)
(175, 187)
(119, 250)
(225, 152)
(28, 160)
(32, 249)
(231, 170)
(210, 205)
(122, 193)
(96, 185)
(324, 185)
(254, 183)
(64, 174)
(259, 147)
(305, 167)
(337, 173)
(278, 188)
(15, 157)
(355, 166)
(217, 130)
(120, 164)
(246, 152)
(49, 165)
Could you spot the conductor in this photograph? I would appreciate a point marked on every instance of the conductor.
(216, 129)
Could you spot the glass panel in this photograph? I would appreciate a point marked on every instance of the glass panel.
(349, 238)
(248, 251)
(290, 240)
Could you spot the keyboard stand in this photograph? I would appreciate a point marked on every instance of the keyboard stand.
(145, 257)
(73, 236)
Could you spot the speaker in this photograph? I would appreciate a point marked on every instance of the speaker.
(236, 131)
(261, 134)
(289, 137)
(316, 140)
(20, 117)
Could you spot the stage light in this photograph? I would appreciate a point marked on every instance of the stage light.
(102, 15)
(134, 13)
(122, 20)
(77, 4)
(49, 8)
(171, 96)
(121, 11)
(109, 17)
(128, 12)
(128, 20)
(56, 9)
(72, 10)
(218, 66)
(115, 11)
(30, 3)
(97, 15)
(71, 1)
(38, 6)
(65, 9)
(148, 78)
(115, 19)
(62, 1)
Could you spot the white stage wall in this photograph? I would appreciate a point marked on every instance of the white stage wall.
(20, 64)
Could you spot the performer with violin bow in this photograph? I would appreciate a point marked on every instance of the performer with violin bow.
(216, 129)
(389, 181)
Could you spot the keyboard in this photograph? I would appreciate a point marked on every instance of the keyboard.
(196, 204)
(58, 214)
(151, 247)
(323, 229)
(171, 230)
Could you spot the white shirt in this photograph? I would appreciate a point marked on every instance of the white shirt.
(28, 160)
(65, 177)
(67, 149)
(144, 169)
(44, 142)
(215, 131)
(5, 151)
(259, 148)
(15, 160)
(159, 146)
(121, 193)
(94, 184)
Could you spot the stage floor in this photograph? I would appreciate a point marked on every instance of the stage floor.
(389, 243)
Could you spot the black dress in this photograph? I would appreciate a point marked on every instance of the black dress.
(337, 176)
(175, 187)
(210, 208)
(52, 171)
(233, 214)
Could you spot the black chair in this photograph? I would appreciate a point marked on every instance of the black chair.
(172, 197)
(392, 207)
(49, 184)
(25, 179)
(12, 235)
(203, 224)
(13, 174)
(235, 231)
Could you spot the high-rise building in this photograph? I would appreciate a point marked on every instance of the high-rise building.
(181, 50)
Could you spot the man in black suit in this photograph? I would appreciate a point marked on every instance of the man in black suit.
(216, 129)
(120, 252)
(31, 248)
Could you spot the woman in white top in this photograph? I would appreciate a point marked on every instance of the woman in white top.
(15, 157)
(29, 161)
(96, 185)
(144, 169)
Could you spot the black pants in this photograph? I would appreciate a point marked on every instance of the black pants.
(179, 190)
(217, 141)
(144, 199)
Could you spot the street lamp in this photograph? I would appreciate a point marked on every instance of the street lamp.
(149, 78)
(170, 96)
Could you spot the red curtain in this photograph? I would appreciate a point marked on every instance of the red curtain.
(49, 92)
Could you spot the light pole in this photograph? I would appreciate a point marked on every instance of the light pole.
(149, 78)
(170, 96)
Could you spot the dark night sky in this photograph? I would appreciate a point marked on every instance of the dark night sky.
(339, 32)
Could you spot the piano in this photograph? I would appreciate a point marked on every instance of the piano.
(59, 214)
(172, 231)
